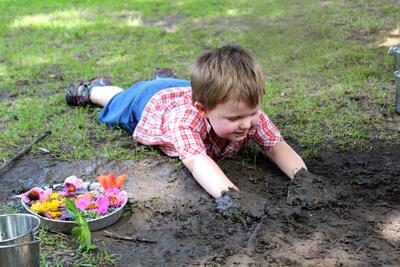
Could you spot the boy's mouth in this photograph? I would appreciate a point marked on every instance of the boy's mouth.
(240, 133)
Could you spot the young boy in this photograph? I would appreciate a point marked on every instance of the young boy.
(211, 116)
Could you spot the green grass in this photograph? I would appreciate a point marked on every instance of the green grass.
(329, 84)
(58, 250)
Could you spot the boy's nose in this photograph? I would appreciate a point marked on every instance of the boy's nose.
(246, 124)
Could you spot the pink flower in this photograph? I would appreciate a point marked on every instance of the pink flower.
(33, 194)
(116, 197)
(102, 205)
(46, 192)
(71, 184)
(83, 203)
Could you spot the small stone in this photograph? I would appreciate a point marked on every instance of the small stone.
(44, 150)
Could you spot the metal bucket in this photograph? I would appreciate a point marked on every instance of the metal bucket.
(397, 74)
(19, 242)
(395, 51)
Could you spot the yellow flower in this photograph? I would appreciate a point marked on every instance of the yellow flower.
(46, 206)
(55, 214)
(54, 195)
(53, 205)
(37, 207)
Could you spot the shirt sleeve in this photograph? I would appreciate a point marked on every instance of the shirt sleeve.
(266, 134)
(186, 133)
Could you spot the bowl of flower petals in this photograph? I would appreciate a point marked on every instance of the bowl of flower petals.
(101, 203)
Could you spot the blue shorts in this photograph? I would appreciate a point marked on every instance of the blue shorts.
(125, 108)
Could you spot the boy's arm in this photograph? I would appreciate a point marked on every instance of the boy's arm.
(208, 174)
(286, 158)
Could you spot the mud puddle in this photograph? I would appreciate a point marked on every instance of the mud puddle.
(347, 213)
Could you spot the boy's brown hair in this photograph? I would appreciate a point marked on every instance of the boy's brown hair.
(225, 73)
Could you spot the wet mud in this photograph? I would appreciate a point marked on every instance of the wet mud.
(345, 211)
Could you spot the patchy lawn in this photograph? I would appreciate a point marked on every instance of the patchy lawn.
(329, 80)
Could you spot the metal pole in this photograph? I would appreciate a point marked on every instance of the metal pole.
(397, 74)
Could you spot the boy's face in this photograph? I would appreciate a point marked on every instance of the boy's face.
(232, 120)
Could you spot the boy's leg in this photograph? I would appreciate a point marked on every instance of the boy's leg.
(100, 95)
(81, 93)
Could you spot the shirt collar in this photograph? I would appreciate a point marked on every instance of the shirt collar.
(208, 126)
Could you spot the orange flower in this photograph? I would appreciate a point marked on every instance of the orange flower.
(109, 181)
(113, 200)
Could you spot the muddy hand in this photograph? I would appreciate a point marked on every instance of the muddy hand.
(308, 191)
(227, 203)
(234, 203)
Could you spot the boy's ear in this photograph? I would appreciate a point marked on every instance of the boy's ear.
(201, 108)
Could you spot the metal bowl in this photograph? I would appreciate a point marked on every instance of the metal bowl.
(66, 226)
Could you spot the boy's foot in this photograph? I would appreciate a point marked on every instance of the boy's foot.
(79, 95)
(162, 73)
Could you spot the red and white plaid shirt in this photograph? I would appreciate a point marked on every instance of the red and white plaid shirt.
(171, 122)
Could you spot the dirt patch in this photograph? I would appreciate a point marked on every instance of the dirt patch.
(353, 217)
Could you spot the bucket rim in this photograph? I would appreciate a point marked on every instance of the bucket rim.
(36, 240)
(30, 231)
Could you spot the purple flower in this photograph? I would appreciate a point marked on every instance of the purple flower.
(102, 205)
(64, 216)
(71, 184)
(33, 194)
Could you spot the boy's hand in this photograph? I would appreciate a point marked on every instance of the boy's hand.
(308, 191)
(286, 158)
(233, 203)
(226, 204)
(208, 174)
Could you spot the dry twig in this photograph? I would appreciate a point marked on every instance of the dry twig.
(128, 238)
(24, 151)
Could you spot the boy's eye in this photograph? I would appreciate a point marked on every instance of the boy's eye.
(233, 119)
(238, 118)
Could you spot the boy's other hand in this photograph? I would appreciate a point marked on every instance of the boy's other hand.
(308, 191)
(286, 159)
